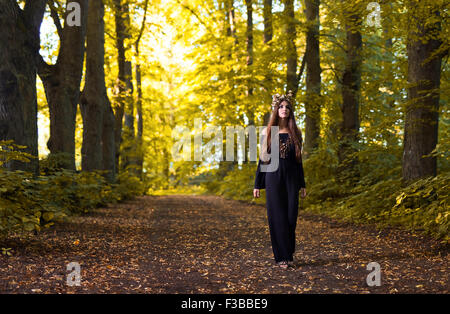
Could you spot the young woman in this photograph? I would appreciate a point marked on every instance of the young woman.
(283, 185)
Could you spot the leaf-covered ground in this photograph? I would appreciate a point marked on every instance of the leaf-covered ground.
(207, 244)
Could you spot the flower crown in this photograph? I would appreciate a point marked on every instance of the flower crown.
(277, 98)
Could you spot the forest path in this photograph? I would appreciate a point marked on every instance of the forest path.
(208, 244)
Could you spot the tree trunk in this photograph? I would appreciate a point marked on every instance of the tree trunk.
(351, 85)
(313, 81)
(388, 72)
(422, 109)
(140, 121)
(128, 136)
(19, 51)
(140, 118)
(249, 32)
(268, 26)
(108, 141)
(124, 88)
(232, 20)
(93, 98)
(62, 87)
(291, 75)
(268, 35)
(227, 17)
(249, 35)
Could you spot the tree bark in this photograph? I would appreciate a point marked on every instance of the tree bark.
(249, 34)
(19, 51)
(62, 86)
(313, 80)
(93, 98)
(422, 109)
(230, 23)
(232, 19)
(140, 117)
(108, 141)
(140, 122)
(226, 4)
(291, 60)
(389, 70)
(250, 113)
(268, 35)
(351, 85)
(268, 26)
(124, 89)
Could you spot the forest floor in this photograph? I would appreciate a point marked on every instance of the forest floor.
(208, 244)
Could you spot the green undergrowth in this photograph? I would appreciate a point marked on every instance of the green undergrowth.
(31, 202)
(180, 190)
(422, 206)
(378, 197)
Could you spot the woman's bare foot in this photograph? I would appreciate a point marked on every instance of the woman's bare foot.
(283, 264)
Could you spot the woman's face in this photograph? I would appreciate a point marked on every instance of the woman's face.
(283, 110)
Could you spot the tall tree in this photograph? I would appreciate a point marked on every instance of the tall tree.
(351, 88)
(291, 60)
(388, 70)
(268, 35)
(424, 73)
(62, 83)
(140, 118)
(230, 20)
(249, 35)
(108, 141)
(313, 81)
(19, 51)
(250, 113)
(94, 99)
(124, 89)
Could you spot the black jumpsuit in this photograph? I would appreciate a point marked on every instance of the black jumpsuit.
(282, 193)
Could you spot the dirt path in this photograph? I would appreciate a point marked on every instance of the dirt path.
(206, 244)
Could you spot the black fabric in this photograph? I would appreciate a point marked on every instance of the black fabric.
(292, 165)
(282, 193)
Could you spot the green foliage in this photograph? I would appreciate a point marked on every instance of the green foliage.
(127, 187)
(10, 151)
(29, 203)
(236, 183)
(54, 163)
(423, 205)
(21, 207)
(204, 75)
(379, 197)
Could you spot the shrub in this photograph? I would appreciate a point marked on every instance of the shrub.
(28, 203)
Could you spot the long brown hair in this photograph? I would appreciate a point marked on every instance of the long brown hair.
(294, 132)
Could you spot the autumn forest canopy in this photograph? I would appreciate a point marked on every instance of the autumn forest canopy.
(91, 93)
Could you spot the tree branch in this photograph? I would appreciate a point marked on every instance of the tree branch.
(141, 32)
(334, 41)
(302, 68)
(44, 69)
(336, 75)
(196, 15)
(55, 17)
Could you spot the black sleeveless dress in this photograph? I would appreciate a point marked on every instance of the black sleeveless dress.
(282, 198)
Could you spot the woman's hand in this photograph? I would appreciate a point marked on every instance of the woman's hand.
(302, 192)
(256, 193)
